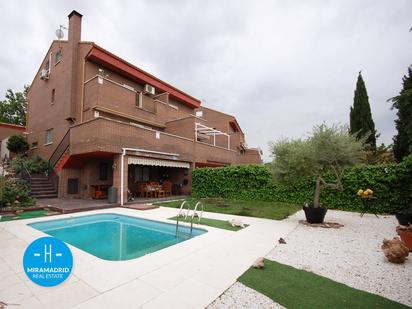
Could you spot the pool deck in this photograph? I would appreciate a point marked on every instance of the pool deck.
(71, 205)
(190, 274)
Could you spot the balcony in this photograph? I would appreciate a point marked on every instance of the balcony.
(125, 99)
(108, 135)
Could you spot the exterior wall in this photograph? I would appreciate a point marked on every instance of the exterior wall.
(43, 114)
(182, 127)
(250, 156)
(221, 122)
(117, 162)
(4, 152)
(101, 134)
(64, 176)
(100, 107)
(88, 175)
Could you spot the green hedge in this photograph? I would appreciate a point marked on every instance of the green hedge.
(392, 184)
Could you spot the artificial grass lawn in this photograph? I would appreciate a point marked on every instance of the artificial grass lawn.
(269, 210)
(221, 224)
(25, 215)
(295, 288)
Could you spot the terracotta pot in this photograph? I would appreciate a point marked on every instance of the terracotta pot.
(406, 236)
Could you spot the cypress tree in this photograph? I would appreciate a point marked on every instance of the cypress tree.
(402, 142)
(361, 122)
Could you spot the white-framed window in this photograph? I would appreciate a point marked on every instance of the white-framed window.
(58, 56)
(49, 136)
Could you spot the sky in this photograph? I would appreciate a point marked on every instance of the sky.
(280, 67)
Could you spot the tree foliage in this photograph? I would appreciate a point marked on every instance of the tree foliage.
(402, 141)
(17, 144)
(14, 108)
(361, 122)
(328, 149)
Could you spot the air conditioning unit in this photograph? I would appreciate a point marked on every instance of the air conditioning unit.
(149, 89)
(44, 74)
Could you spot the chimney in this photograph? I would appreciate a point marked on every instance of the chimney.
(75, 27)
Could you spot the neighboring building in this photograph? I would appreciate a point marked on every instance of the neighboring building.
(7, 130)
(101, 121)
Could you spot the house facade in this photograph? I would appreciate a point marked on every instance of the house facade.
(7, 130)
(101, 121)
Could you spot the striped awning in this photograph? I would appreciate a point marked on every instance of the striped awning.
(157, 162)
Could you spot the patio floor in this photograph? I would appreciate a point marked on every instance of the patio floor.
(190, 274)
(71, 205)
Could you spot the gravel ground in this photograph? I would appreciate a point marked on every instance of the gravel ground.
(239, 296)
(350, 255)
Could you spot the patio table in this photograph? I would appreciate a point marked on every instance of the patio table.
(368, 205)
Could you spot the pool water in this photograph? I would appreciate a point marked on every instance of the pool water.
(116, 237)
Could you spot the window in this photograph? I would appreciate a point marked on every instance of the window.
(49, 136)
(142, 173)
(199, 114)
(103, 171)
(47, 65)
(53, 93)
(58, 56)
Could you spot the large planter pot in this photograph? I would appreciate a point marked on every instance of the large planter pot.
(406, 236)
(315, 214)
(404, 219)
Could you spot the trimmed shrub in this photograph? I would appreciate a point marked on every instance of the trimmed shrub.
(391, 183)
(17, 144)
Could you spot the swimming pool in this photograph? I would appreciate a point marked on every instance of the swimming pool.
(116, 237)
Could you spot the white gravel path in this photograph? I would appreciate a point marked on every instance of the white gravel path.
(350, 255)
(239, 296)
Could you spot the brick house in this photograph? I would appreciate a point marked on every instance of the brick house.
(101, 121)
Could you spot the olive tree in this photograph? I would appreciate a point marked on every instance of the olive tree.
(327, 149)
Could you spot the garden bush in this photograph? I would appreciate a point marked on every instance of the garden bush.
(392, 184)
(35, 166)
(15, 192)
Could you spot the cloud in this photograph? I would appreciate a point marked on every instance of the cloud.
(279, 67)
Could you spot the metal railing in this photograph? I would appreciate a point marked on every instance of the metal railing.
(60, 150)
(24, 173)
(181, 214)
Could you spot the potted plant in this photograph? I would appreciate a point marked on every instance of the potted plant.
(405, 233)
(328, 149)
(405, 216)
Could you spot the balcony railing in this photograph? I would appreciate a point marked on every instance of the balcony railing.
(108, 135)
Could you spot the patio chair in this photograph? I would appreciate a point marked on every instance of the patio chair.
(167, 187)
(141, 189)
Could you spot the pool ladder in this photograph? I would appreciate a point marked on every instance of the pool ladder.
(185, 215)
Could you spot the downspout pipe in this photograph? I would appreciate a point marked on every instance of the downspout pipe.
(122, 176)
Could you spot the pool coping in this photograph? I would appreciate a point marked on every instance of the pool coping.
(170, 223)
(205, 265)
